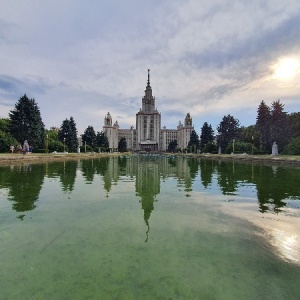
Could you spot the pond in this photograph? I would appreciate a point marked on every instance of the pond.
(149, 227)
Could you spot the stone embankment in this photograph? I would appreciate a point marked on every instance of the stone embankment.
(259, 159)
(14, 159)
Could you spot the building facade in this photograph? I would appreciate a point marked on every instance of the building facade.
(148, 135)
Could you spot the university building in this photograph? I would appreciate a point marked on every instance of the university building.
(148, 134)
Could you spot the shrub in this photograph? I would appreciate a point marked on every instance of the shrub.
(210, 147)
(40, 151)
(6, 140)
(240, 147)
(88, 148)
(293, 147)
(56, 146)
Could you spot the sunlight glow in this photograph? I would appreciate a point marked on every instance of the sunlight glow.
(286, 68)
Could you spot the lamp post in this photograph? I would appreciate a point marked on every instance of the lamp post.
(64, 144)
(233, 145)
(252, 144)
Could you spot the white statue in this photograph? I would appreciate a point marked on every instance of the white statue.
(275, 149)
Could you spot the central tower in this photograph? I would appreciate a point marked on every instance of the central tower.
(148, 102)
(148, 122)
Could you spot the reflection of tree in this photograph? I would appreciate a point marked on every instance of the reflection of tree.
(273, 187)
(108, 168)
(54, 169)
(207, 168)
(172, 161)
(66, 171)
(25, 186)
(102, 165)
(107, 182)
(88, 169)
(192, 168)
(122, 165)
(274, 184)
(193, 165)
(226, 178)
(5, 176)
(68, 175)
(293, 182)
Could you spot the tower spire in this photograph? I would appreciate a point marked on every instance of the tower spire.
(148, 83)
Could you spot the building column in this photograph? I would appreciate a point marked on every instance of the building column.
(148, 128)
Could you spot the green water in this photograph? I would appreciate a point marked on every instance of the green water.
(146, 227)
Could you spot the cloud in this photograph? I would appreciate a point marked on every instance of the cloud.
(85, 59)
(13, 87)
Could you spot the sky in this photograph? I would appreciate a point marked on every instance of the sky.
(84, 58)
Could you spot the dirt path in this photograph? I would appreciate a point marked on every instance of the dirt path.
(15, 159)
(286, 160)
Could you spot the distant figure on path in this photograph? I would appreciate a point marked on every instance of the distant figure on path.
(30, 149)
(25, 147)
(19, 148)
(12, 149)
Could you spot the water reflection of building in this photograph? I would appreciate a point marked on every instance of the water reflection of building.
(148, 134)
(148, 171)
(147, 187)
(270, 186)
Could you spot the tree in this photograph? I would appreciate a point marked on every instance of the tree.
(73, 141)
(26, 122)
(172, 146)
(207, 135)
(7, 140)
(194, 142)
(122, 145)
(263, 120)
(64, 133)
(293, 147)
(54, 144)
(250, 135)
(4, 124)
(101, 140)
(228, 130)
(294, 124)
(240, 147)
(279, 125)
(68, 134)
(89, 136)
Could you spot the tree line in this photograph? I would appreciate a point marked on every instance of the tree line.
(273, 124)
(25, 123)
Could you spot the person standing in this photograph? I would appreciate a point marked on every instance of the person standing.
(12, 148)
(25, 147)
(19, 148)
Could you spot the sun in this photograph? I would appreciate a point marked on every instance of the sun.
(286, 68)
